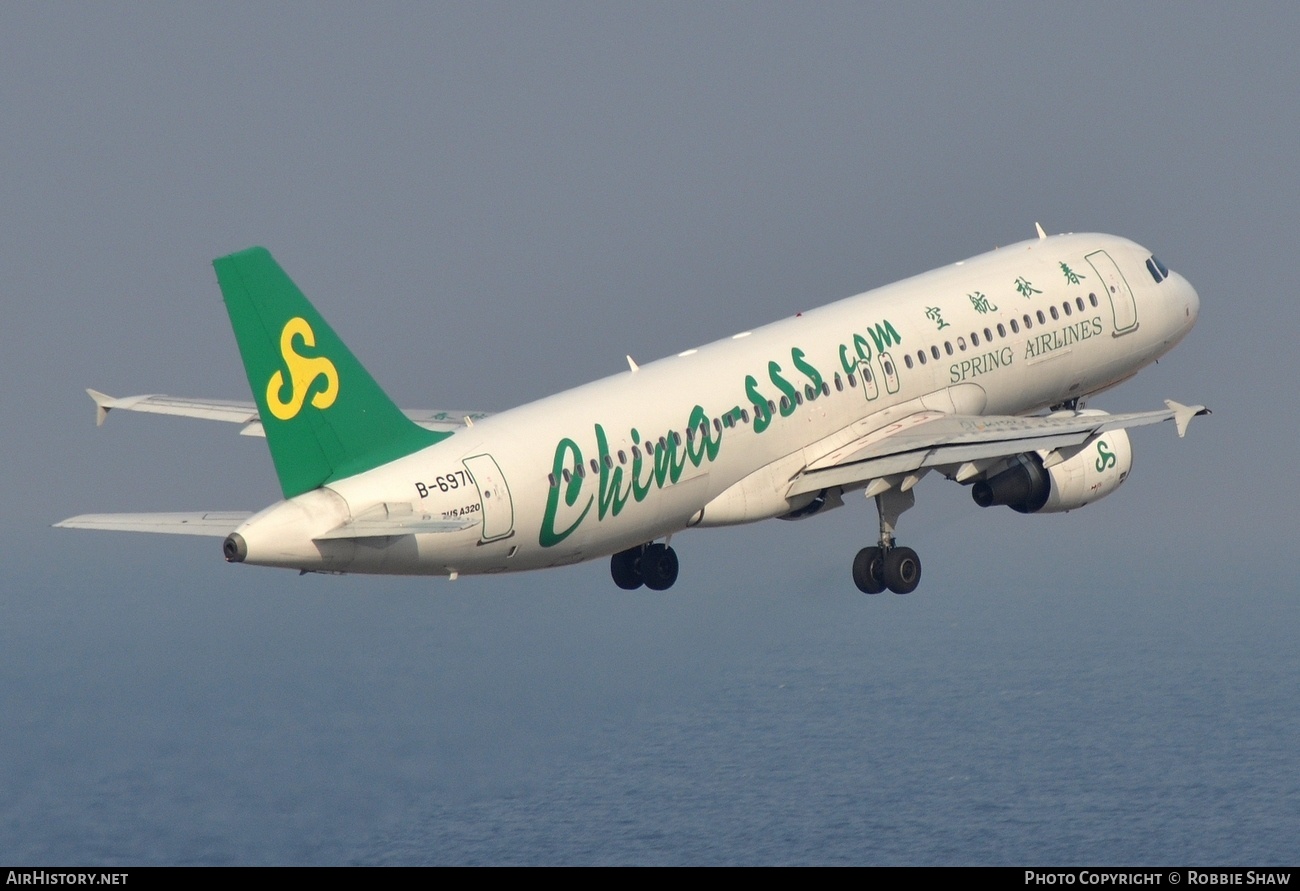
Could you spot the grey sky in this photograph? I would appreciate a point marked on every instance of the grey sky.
(495, 202)
(492, 202)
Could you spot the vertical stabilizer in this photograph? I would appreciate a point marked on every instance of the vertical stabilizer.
(324, 415)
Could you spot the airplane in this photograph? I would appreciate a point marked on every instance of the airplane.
(978, 370)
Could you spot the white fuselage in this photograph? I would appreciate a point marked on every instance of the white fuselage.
(1068, 316)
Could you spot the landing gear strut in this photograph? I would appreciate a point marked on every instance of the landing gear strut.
(888, 565)
(653, 565)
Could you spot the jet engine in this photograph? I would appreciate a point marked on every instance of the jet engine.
(1030, 486)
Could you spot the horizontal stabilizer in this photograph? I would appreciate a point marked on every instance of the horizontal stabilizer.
(397, 519)
(236, 412)
(217, 524)
(160, 404)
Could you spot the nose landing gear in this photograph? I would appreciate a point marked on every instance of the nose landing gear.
(888, 565)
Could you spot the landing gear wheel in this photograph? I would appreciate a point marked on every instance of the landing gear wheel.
(902, 570)
(869, 571)
(659, 567)
(625, 567)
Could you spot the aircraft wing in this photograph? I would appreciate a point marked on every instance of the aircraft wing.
(217, 524)
(235, 412)
(968, 444)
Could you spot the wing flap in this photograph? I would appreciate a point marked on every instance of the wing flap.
(217, 524)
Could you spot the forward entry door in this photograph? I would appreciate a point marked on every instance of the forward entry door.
(1121, 298)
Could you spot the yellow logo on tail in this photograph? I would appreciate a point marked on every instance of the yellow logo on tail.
(303, 372)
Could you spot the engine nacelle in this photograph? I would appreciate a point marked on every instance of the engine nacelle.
(1093, 472)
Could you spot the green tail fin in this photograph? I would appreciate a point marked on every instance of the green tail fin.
(324, 415)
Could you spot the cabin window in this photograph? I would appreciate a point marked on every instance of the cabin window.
(728, 421)
(798, 398)
(920, 354)
(785, 404)
(947, 347)
(609, 461)
(1066, 306)
(1041, 319)
(988, 335)
(934, 351)
(1055, 315)
(839, 383)
(1015, 327)
(1002, 332)
(649, 447)
(907, 360)
(889, 368)
(690, 434)
(550, 478)
(809, 392)
(771, 406)
(1078, 301)
(744, 416)
(1092, 298)
(852, 380)
(567, 475)
(1029, 323)
(622, 457)
(581, 472)
(866, 374)
(961, 344)
(974, 339)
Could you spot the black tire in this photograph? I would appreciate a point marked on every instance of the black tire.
(625, 568)
(869, 571)
(659, 567)
(902, 570)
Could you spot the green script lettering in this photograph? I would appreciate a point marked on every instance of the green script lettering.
(549, 537)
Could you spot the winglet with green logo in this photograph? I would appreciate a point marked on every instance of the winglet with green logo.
(324, 415)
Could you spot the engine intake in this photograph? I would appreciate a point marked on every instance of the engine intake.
(1024, 486)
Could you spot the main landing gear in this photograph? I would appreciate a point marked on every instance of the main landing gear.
(888, 565)
(653, 565)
